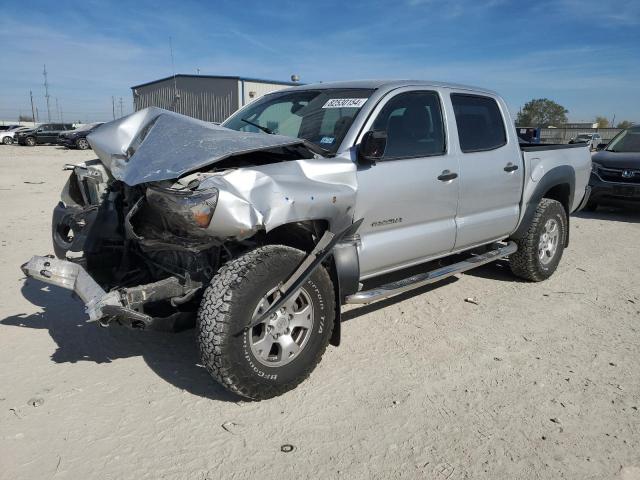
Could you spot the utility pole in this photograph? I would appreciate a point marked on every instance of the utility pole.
(58, 110)
(113, 107)
(37, 119)
(46, 93)
(33, 112)
(121, 112)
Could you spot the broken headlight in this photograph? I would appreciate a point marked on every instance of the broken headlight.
(188, 208)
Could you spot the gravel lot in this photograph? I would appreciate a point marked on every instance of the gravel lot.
(535, 381)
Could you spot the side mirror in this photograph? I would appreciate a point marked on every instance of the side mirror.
(601, 146)
(372, 147)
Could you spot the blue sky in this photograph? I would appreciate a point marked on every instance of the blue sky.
(583, 54)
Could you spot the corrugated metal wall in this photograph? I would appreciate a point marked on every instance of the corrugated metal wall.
(209, 99)
(259, 89)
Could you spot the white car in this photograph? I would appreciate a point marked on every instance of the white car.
(7, 137)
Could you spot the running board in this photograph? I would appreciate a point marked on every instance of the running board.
(421, 279)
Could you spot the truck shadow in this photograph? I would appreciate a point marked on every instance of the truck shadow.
(611, 214)
(172, 356)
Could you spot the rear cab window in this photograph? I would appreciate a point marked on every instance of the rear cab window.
(479, 122)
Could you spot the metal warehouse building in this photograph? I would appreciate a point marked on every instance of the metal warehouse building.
(207, 97)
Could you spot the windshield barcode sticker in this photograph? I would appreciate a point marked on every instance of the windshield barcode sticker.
(345, 103)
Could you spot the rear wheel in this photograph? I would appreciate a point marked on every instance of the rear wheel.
(7, 140)
(540, 249)
(279, 353)
(30, 141)
(82, 144)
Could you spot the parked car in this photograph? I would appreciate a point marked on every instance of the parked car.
(7, 137)
(78, 138)
(591, 139)
(615, 175)
(4, 128)
(43, 134)
(263, 227)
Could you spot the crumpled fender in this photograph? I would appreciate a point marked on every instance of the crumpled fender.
(265, 197)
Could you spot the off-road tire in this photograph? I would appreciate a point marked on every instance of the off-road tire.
(7, 140)
(525, 263)
(227, 307)
(82, 144)
(30, 142)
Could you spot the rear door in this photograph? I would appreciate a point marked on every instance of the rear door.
(409, 198)
(490, 170)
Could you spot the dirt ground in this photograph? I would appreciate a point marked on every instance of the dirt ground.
(535, 381)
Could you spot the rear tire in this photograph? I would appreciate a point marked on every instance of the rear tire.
(232, 353)
(541, 247)
(7, 140)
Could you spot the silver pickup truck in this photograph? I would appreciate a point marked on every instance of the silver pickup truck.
(258, 230)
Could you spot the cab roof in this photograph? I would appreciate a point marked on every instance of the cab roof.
(387, 85)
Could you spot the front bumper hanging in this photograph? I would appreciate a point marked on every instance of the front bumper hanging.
(125, 305)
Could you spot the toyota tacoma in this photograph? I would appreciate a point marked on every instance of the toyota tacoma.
(258, 230)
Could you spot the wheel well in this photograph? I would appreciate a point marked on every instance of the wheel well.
(562, 194)
(300, 235)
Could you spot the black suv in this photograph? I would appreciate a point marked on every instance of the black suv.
(45, 133)
(615, 177)
(78, 138)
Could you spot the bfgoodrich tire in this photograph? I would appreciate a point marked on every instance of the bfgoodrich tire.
(280, 353)
(540, 249)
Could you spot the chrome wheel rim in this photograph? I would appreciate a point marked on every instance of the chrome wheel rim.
(548, 243)
(82, 144)
(281, 338)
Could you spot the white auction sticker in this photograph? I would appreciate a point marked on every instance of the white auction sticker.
(345, 103)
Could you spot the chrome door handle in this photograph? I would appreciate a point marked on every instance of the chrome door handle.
(447, 175)
(510, 167)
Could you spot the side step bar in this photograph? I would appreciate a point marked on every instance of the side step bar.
(416, 281)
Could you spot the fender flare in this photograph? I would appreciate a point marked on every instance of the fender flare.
(346, 272)
(562, 175)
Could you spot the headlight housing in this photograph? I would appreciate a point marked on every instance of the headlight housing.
(186, 208)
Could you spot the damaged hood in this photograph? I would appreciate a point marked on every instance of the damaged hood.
(155, 144)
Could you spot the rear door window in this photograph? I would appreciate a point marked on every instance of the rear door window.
(479, 121)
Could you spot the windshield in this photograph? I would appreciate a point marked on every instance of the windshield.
(322, 117)
(626, 141)
(583, 137)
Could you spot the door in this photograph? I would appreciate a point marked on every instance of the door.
(409, 198)
(48, 134)
(490, 170)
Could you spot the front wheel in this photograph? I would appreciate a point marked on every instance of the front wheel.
(30, 141)
(279, 353)
(82, 144)
(540, 249)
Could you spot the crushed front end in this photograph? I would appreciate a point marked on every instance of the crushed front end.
(140, 232)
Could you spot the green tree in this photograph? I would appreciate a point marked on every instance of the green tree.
(602, 122)
(624, 124)
(541, 112)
